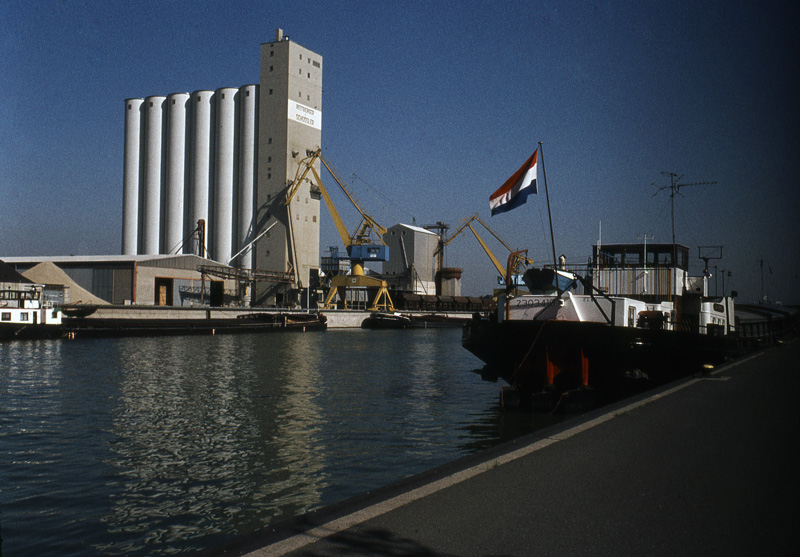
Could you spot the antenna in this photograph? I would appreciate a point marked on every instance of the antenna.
(675, 187)
(644, 237)
(707, 253)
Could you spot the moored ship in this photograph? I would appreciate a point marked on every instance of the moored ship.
(24, 314)
(632, 316)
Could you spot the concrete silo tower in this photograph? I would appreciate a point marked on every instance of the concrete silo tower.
(289, 125)
(175, 184)
(248, 157)
(225, 170)
(150, 197)
(131, 176)
(200, 146)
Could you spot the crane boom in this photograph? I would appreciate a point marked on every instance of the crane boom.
(495, 262)
(359, 245)
(361, 234)
(465, 224)
(367, 220)
(337, 219)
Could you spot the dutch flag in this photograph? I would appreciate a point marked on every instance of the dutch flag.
(515, 191)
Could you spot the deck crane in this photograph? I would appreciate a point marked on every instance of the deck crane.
(360, 245)
(504, 271)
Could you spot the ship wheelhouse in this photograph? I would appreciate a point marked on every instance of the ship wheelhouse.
(649, 272)
(616, 256)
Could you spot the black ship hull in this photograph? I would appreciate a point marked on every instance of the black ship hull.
(562, 356)
(16, 331)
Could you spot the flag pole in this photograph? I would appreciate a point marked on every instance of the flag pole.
(549, 216)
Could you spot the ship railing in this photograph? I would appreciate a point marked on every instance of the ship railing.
(766, 331)
(624, 281)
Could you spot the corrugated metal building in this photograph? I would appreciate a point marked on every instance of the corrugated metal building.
(411, 267)
(142, 279)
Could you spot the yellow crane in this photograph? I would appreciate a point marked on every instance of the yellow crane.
(360, 245)
(504, 271)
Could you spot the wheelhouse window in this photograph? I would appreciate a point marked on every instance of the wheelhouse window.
(633, 255)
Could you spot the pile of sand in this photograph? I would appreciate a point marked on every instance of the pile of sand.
(50, 273)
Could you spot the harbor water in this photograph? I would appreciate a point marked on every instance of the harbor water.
(170, 445)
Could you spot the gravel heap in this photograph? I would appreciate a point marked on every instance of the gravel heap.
(49, 273)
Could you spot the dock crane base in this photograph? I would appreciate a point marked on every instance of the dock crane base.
(340, 284)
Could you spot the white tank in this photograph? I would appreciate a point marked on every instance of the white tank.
(175, 176)
(151, 198)
(200, 142)
(224, 173)
(130, 178)
(248, 137)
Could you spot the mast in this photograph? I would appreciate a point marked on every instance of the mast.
(549, 215)
(674, 188)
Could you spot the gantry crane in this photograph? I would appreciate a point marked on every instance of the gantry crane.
(360, 245)
(506, 272)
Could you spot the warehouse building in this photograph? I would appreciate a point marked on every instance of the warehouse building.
(161, 280)
(411, 267)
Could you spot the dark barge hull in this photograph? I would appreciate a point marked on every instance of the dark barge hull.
(565, 356)
(251, 323)
(386, 321)
(30, 332)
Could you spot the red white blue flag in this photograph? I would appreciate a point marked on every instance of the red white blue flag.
(515, 191)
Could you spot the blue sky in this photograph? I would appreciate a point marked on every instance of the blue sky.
(429, 106)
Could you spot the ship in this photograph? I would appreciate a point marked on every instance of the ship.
(631, 318)
(25, 312)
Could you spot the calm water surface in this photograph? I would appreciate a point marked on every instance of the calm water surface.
(174, 444)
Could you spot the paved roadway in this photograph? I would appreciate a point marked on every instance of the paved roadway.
(705, 466)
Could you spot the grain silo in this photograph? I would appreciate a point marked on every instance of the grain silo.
(200, 153)
(151, 195)
(225, 157)
(130, 179)
(225, 173)
(175, 185)
(248, 136)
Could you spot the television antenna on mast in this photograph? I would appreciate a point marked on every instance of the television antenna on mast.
(675, 188)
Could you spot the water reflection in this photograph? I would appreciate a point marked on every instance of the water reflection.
(212, 433)
(164, 445)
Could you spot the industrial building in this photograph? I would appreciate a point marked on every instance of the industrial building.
(205, 173)
(206, 215)
(161, 280)
(411, 268)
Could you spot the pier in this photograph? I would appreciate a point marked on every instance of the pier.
(705, 465)
(188, 319)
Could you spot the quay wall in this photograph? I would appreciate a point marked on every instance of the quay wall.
(337, 319)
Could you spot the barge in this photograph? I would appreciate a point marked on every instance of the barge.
(192, 323)
(632, 319)
(24, 311)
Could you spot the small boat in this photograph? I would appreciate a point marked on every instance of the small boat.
(380, 320)
(287, 321)
(78, 310)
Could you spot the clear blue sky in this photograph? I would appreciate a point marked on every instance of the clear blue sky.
(429, 106)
